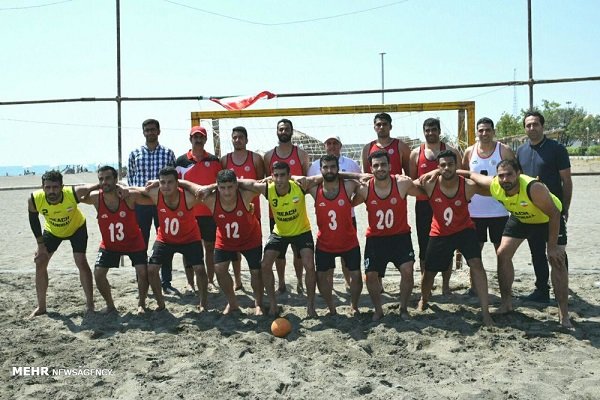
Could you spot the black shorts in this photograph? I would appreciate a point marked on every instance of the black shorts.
(517, 229)
(252, 256)
(110, 259)
(325, 261)
(280, 243)
(281, 256)
(423, 217)
(495, 225)
(163, 253)
(78, 240)
(440, 250)
(208, 228)
(381, 250)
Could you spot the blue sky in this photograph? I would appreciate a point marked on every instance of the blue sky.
(181, 48)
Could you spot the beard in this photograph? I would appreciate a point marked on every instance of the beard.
(284, 138)
(331, 177)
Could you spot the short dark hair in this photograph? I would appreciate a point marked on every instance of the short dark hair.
(378, 154)
(383, 116)
(150, 121)
(108, 168)
(485, 120)
(534, 113)
(329, 157)
(281, 165)
(286, 121)
(240, 129)
(226, 176)
(513, 162)
(446, 154)
(166, 171)
(52, 176)
(432, 122)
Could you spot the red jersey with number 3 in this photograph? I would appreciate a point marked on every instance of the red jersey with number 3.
(387, 216)
(450, 215)
(246, 170)
(336, 233)
(120, 230)
(237, 230)
(176, 226)
(395, 156)
(425, 165)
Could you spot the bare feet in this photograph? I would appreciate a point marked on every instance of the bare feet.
(258, 311)
(487, 320)
(404, 315)
(200, 308)
(446, 289)
(239, 287)
(190, 290)
(377, 316)
(566, 323)
(354, 312)
(331, 313)
(422, 306)
(504, 308)
(273, 310)
(281, 289)
(108, 310)
(310, 311)
(212, 288)
(299, 288)
(38, 311)
(141, 310)
(160, 308)
(230, 309)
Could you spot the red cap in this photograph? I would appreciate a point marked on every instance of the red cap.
(197, 129)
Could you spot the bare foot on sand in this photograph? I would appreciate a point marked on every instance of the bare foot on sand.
(230, 309)
(299, 288)
(422, 306)
(239, 287)
(504, 309)
(38, 311)
(281, 289)
(108, 310)
(310, 312)
(487, 320)
(258, 311)
(377, 315)
(354, 312)
(160, 308)
(566, 323)
(331, 313)
(273, 310)
(404, 315)
(446, 290)
(141, 310)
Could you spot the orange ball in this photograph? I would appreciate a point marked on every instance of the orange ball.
(281, 327)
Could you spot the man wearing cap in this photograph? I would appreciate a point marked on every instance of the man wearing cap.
(333, 146)
(201, 167)
(144, 164)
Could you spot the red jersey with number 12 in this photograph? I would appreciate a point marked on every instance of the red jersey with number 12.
(120, 230)
(237, 230)
(246, 170)
(450, 215)
(176, 226)
(387, 216)
(336, 233)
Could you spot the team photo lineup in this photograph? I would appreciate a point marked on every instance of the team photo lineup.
(208, 209)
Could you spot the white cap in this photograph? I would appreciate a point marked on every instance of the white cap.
(334, 138)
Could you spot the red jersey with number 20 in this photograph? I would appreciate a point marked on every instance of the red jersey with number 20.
(450, 215)
(176, 226)
(237, 230)
(387, 216)
(120, 230)
(336, 233)
(247, 170)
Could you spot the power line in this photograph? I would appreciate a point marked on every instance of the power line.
(36, 6)
(301, 21)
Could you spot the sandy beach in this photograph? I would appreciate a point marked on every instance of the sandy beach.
(441, 353)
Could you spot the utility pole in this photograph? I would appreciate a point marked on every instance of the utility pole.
(382, 79)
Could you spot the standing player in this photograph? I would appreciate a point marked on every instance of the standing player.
(63, 221)
(423, 159)
(201, 167)
(483, 157)
(452, 229)
(121, 235)
(246, 165)
(397, 150)
(298, 163)
(337, 232)
(388, 234)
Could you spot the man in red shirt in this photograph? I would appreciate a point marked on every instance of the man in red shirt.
(452, 229)
(397, 150)
(201, 167)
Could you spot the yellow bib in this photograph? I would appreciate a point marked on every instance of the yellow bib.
(288, 210)
(62, 219)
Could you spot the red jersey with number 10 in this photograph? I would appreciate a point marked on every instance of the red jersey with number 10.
(237, 230)
(336, 233)
(176, 226)
(246, 170)
(120, 230)
(387, 216)
(450, 215)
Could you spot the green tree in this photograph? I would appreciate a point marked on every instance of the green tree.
(509, 125)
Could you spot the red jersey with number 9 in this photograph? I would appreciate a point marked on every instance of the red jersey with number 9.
(387, 216)
(120, 230)
(237, 230)
(336, 233)
(176, 226)
(450, 215)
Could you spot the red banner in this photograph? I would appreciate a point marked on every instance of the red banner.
(240, 103)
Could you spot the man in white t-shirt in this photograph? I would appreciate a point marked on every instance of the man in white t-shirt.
(333, 145)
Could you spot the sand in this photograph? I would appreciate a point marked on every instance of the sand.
(441, 353)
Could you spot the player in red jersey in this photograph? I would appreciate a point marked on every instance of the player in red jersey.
(121, 235)
(452, 229)
(238, 231)
(423, 160)
(299, 162)
(337, 234)
(388, 234)
(178, 230)
(201, 167)
(246, 165)
(397, 150)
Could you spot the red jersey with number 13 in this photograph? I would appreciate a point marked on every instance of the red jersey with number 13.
(176, 226)
(336, 233)
(450, 215)
(120, 230)
(387, 216)
(237, 230)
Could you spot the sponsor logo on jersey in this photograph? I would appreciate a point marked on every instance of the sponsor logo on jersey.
(437, 200)
(390, 151)
(457, 203)
(524, 204)
(394, 201)
(374, 202)
(295, 199)
(206, 164)
(122, 214)
(321, 204)
(104, 216)
(70, 209)
(239, 213)
(247, 168)
(162, 210)
(221, 216)
(180, 213)
(424, 165)
(292, 162)
(341, 202)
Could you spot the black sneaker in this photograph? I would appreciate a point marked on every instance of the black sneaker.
(168, 289)
(538, 296)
